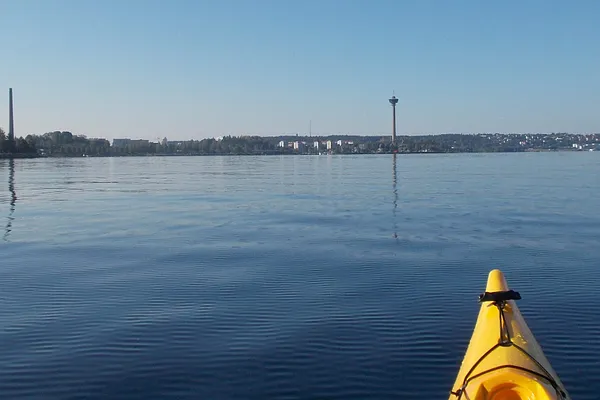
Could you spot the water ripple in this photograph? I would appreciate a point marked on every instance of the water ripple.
(287, 277)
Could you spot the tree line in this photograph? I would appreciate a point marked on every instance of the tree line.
(18, 146)
(64, 143)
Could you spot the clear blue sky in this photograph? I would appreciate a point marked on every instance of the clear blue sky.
(194, 69)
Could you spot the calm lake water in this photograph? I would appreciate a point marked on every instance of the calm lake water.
(308, 277)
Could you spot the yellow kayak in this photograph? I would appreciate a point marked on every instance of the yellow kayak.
(503, 360)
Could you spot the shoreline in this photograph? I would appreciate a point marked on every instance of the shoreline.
(26, 156)
(7, 156)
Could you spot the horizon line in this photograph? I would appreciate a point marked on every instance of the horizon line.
(304, 136)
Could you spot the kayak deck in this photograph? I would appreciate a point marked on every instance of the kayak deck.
(503, 360)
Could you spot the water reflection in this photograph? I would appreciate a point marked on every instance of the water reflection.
(394, 185)
(13, 198)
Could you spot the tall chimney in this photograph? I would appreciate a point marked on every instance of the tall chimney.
(11, 122)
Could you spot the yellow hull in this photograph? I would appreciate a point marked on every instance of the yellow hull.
(503, 360)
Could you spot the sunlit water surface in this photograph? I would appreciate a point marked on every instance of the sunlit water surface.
(338, 277)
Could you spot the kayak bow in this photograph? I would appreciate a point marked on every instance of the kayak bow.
(503, 360)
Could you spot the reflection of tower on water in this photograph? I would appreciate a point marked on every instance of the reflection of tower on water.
(13, 198)
(394, 185)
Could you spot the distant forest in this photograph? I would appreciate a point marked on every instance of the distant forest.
(17, 147)
(67, 144)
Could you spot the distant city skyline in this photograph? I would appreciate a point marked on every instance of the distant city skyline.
(198, 69)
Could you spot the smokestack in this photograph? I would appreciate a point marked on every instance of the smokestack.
(11, 122)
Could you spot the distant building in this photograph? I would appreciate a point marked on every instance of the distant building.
(316, 145)
(121, 142)
(298, 146)
(329, 145)
(339, 143)
(177, 143)
(282, 143)
(139, 142)
(130, 143)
